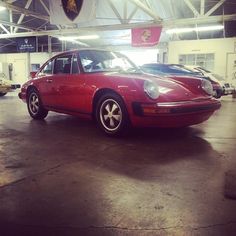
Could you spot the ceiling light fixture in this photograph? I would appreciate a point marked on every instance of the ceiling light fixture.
(197, 29)
(2, 8)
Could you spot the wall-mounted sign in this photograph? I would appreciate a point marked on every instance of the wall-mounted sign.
(26, 44)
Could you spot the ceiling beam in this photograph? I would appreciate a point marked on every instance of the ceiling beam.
(11, 20)
(15, 25)
(48, 11)
(192, 8)
(146, 9)
(165, 24)
(4, 28)
(215, 7)
(23, 11)
(202, 7)
(22, 15)
(45, 7)
(132, 14)
(112, 6)
(199, 20)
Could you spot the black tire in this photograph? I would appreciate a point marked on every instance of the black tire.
(111, 115)
(34, 105)
(2, 94)
(218, 94)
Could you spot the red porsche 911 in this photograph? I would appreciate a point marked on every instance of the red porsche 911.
(108, 87)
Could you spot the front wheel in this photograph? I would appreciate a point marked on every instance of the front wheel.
(111, 115)
(35, 107)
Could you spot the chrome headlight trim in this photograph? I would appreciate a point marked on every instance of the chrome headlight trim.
(207, 87)
(151, 89)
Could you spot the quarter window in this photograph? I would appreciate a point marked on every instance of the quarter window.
(47, 69)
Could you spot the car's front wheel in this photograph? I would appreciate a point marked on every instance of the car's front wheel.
(35, 107)
(111, 115)
(2, 94)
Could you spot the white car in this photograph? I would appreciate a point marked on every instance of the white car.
(227, 87)
(6, 85)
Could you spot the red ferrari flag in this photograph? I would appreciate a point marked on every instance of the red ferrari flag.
(145, 37)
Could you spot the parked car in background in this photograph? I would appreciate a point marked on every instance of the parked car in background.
(109, 88)
(228, 88)
(180, 70)
(6, 85)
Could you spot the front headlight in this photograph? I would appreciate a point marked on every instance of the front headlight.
(151, 89)
(207, 86)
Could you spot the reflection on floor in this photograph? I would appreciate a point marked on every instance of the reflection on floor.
(62, 176)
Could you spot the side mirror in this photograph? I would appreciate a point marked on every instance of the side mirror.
(32, 74)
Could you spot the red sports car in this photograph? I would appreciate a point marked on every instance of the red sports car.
(109, 88)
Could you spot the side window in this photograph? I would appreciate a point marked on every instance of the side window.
(47, 69)
(62, 65)
(75, 67)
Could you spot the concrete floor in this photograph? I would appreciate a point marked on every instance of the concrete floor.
(62, 176)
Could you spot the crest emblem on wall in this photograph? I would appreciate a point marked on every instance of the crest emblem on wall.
(72, 8)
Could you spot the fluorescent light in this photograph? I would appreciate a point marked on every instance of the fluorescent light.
(210, 28)
(74, 38)
(196, 29)
(2, 8)
(85, 37)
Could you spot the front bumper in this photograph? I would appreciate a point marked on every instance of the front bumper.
(173, 114)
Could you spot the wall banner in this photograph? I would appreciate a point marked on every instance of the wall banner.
(145, 37)
(64, 12)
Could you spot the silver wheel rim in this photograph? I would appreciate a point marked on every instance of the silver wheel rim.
(110, 115)
(34, 103)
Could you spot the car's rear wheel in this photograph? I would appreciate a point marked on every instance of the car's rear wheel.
(35, 107)
(111, 114)
(2, 94)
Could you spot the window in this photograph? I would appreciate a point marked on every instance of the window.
(47, 69)
(93, 61)
(202, 60)
(62, 65)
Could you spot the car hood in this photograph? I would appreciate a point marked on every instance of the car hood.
(169, 88)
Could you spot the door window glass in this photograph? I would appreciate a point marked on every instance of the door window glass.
(62, 65)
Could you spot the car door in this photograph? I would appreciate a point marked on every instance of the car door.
(44, 84)
(68, 84)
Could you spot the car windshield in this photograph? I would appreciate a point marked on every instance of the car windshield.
(95, 61)
(203, 69)
(182, 69)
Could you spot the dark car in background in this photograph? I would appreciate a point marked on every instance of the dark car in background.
(180, 70)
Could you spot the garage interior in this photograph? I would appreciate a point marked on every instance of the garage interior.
(63, 176)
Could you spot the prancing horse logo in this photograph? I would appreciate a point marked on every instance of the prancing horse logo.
(72, 8)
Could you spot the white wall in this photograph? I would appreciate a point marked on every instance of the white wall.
(220, 47)
(21, 64)
(39, 58)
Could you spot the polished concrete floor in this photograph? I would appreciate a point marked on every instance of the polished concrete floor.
(62, 176)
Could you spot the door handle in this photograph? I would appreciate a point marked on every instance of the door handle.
(49, 80)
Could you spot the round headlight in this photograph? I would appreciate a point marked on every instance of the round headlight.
(151, 89)
(207, 87)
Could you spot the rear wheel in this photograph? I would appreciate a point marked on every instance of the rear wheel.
(2, 94)
(35, 107)
(111, 115)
